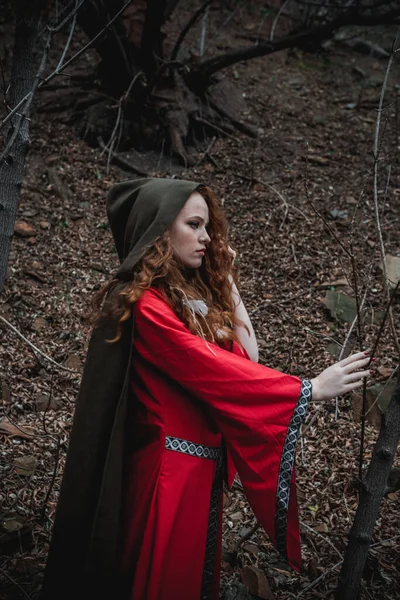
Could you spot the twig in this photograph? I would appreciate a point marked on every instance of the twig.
(329, 228)
(203, 31)
(320, 578)
(376, 205)
(114, 139)
(364, 405)
(274, 24)
(7, 576)
(271, 187)
(37, 349)
(65, 65)
(213, 126)
(317, 333)
(240, 126)
(193, 19)
(23, 115)
(344, 347)
(207, 152)
(71, 33)
(302, 293)
(117, 159)
(383, 389)
(317, 533)
(57, 457)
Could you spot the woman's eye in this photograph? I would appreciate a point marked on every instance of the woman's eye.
(194, 224)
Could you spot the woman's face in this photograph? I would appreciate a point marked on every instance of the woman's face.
(189, 235)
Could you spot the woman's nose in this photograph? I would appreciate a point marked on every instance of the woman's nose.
(205, 238)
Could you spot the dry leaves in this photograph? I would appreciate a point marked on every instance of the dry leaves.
(8, 428)
(25, 465)
(256, 582)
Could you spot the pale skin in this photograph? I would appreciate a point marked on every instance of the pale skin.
(189, 238)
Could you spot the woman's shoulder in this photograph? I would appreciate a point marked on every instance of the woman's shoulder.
(152, 297)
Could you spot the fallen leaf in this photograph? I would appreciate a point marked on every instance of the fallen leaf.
(373, 412)
(383, 391)
(43, 402)
(334, 283)
(25, 465)
(256, 582)
(340, 306)
(344, 307)
(322, 527)
(252, 548)
(7, 428)
(35, 275)
(319, 160)
(385, 372)
(5, 393)
(38, 324)
(393, 269)
(73, 362)
(23, 229)
(11, 525)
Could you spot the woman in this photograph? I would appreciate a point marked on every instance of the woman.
(172, 403)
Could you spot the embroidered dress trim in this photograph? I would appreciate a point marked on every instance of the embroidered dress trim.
(210, 453)
(186, 447)
(286, 466)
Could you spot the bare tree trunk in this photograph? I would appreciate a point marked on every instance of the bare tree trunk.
(117, 54)
(151, 47)
(13, 163)
(371, 494)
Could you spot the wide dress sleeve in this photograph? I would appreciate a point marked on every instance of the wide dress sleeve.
(257, 409)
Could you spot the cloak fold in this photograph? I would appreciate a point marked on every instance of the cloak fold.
(82, 557)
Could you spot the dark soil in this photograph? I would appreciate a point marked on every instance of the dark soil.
(315, 115)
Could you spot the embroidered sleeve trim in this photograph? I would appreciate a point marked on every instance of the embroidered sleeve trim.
(287, 464)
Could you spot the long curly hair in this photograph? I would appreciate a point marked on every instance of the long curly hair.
(158, 268)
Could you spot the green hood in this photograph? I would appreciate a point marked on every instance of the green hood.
(139, 211)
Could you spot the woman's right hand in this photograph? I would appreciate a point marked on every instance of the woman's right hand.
(342, 377)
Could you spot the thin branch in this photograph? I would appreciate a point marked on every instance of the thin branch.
(329, 228)
(192, 21)
(393, 373)
(118, 160)
(345, 344)
(323, 32)
(320, 578)
(290, 299)
(19, 334)
(114, 140)
(376, 203)
(25, 111)
(7, 576)
(286, 204)
(203, 31)
(274, 24)
(66, 64)
(71, 33)
(364, 405)
(321, 536)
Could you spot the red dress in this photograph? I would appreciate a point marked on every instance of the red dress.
(191, 399)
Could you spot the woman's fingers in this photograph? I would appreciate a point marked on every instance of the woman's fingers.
(358, 375)
(354, 357)
(353, 386)
(357, 364)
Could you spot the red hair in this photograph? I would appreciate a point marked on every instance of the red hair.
(159, 268)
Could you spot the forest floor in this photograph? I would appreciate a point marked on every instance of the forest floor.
(316, 118)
